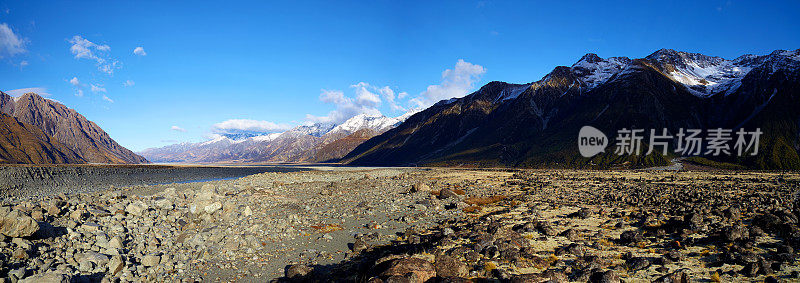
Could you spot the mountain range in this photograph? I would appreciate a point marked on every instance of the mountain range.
(318, 142)
(39, 130)
(500, 125)
(536, 124)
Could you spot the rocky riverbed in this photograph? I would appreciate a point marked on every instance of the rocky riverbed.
(415, 225)
(21, 181)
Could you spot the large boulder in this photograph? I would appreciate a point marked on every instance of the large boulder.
(49, 277)
(421, 269)
(14, 223)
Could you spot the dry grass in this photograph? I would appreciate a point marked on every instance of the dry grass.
(484, 201)
(490, 266)
(472, 209)
(327, 228)
(715, 277)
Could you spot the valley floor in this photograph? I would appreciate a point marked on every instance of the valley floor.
(416, 224)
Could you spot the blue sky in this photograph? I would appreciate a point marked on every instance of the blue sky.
(208, 67)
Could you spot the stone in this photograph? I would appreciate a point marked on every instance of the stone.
(359, 245)
(420, 187)
(20, 254)
(77, 215)
(115, 265)
(447, 193)
(604, 277)
(247, 211)
(115, 242)
(163, 203)
(55, 276)
(421, 269)
(631, 237)
(17, 273)
(90, 227)
(297, 271)
(213, 207)
(447, 266)
(14, 223)
(679, 276)
(736, 233)
(151, 260)
(136, 208)
(37, 215)
(638, 263)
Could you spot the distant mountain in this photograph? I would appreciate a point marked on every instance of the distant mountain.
(27, 144)
(536, 124)
(307, 143)
(67, 127)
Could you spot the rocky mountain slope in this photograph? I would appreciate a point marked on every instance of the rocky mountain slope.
(24, 143)
(536, 124)
(68, 127)
(317, 142)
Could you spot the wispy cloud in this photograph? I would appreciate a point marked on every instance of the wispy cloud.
(140, 51)
(74, 81)
(10, 43)
(233, 126)
(97, 89)
(177, 129)
(106, 98)
(79, 93)
(42, 91)
(128, 83)
(456, 82)
(85, 49)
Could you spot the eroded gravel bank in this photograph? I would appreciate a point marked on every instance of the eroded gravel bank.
(25, 181)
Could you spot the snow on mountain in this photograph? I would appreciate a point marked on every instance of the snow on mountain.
(216, 139)
(594, 70)
(512, 91)
(316, 129)
(703, 75)
(365, 121)
(266, 138)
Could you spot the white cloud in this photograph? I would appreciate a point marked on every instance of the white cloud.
(247, 125)
(23, 63)
(333, 96)
(74, 81)
(97, 89)
(139, 51)
(107, 99)
(79, 93)
(85, 49)
(128, 83)
(364, 96)
(177, 129)
(389, 96)
(10, 43)
(456, 82)
(20, 91)
(365, 102)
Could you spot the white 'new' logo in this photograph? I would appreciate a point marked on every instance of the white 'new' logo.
(591, 141)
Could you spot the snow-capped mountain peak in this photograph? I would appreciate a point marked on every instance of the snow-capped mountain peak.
(365, 121)
(316, 129)
(706, 75)
(594, 70)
